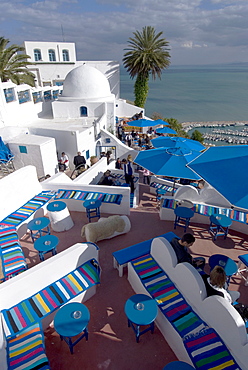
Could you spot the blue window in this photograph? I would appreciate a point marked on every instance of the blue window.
(83, 112)
(59, 83)
(52, 57)
(55, 94)
(37, 55)
(23, 149)
(23, 96)
(65, 55)
(9, 95)
(47, 95)
(37, 97)
(87, 154)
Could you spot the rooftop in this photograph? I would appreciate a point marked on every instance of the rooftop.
(111, 343)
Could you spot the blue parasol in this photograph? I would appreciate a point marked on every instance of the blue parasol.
(166, 130)
(161, 122)
(142, 123)
(176, 141)
(225, 168)
(169, 162)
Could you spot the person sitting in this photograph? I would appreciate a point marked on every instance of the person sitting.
(106, 179)
(181, 246)
(79, 161)
(63, 162)
(118, 164)
(216, 285)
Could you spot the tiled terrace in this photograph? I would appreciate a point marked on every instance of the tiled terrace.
(111, 343)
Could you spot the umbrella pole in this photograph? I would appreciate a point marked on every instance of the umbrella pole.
(173, 186)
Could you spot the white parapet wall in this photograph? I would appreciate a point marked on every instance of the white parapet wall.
(33, 280)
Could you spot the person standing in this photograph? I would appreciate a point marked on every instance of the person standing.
(128, 172)
(63, 162)
(79, 160)
(129, 139)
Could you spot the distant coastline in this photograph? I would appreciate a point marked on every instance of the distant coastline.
(214, 124)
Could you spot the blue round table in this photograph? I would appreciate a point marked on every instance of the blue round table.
(56, 206)
(227, 263)
(141, 309)
(92, 208)
(183, 216)
(45, 244)
(37, 226)
(70, 320)
(178, 365)
(219, 225)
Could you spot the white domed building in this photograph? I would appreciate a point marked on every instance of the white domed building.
(86, 93)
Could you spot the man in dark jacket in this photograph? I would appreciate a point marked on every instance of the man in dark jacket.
(79, 160)
(181, 246)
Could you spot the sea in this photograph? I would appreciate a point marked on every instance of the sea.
(196, 93)
(200, 94)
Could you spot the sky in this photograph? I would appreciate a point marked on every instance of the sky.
(198, 31)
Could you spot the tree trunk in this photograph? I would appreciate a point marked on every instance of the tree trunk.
(141, 89)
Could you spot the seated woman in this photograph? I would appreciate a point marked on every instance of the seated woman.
(216, 285)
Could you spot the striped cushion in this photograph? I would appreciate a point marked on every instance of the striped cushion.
(44, 302)
(168, 188)
(85, 195)
(181, 316)
(26, 351)
(211, 210)
(24, 212)
(122, 177)
(12, 257)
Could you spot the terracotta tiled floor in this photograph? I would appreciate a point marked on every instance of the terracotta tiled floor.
(111, 343)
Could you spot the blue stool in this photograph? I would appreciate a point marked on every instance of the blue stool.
(160, 193)
(46, 244)
(183, 216)
(178, 365)
(141, 309)
(243, 259)
(71, 320)
(219, 225)
(37, 226)
(92, 208)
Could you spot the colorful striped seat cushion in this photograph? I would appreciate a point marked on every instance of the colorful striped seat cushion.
(41, 304)
(27, 350)
(24, 212)
(181, 316)
(168, 188)
(210, 210)
(11, 254)
(86, 195)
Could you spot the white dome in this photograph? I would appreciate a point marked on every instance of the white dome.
(86, 82)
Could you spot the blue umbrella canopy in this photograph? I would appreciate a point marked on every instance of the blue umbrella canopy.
(168, 162)
(176, 141)
(166, 130)
(161, 122)
(141, 123)
(225, 168)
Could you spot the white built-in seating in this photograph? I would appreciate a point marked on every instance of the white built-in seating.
(215, 311)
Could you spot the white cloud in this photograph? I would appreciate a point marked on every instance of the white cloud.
(103, 35)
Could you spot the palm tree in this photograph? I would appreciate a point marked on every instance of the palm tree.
(13, 65)
(147, 55)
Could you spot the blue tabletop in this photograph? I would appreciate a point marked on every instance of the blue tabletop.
(46, 243)
(184, 212)
(89, 204)
(38, 223)
(65, 321)
(161, 191)
(221, 220)
(56, 206)
(143, 315)
(227, 263)
(178, 365)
